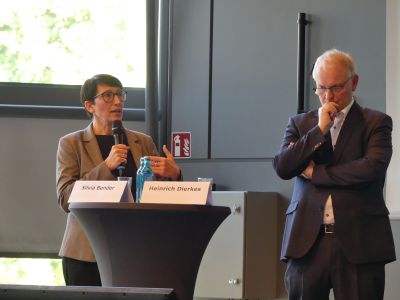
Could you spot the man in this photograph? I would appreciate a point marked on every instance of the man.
(337, 232)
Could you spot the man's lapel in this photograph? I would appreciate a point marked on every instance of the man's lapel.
(351, 125)
(324, 154)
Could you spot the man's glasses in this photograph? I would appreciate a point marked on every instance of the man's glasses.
(320, 91)
(109, 96)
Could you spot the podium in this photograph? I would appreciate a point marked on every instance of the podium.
(149, 245)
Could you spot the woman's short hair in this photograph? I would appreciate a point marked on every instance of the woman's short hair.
(89, 88)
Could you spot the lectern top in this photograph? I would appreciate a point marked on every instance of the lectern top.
(149, 206)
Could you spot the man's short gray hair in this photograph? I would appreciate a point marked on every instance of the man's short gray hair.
(337, 56)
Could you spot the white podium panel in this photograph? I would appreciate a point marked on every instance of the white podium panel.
(241, 259)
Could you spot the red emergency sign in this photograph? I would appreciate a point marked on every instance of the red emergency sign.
(181, 144)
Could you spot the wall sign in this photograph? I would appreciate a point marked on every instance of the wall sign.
(181, 144)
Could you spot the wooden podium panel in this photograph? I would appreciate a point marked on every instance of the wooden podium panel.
(149, 245)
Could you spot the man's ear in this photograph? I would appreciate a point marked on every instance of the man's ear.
(354, 82)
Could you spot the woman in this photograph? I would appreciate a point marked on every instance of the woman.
(90, 154)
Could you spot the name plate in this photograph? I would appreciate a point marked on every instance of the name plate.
(101, 191)
(176, 192)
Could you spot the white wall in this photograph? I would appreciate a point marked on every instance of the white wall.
(392, 290)
(30, 219)
(393, 102)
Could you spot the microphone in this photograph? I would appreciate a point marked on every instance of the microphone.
(118, 133)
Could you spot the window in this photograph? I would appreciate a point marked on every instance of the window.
(68, 41)
(25, 271)
(47, 49)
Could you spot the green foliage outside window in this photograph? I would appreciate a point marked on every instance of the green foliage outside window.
(68, 41)
(31, 271)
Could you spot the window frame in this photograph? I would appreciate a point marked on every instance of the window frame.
(38, 100)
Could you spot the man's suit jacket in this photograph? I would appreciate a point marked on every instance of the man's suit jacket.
(353, 173)
(79, 158)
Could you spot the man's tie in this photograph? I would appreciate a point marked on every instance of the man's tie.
(335, 129)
